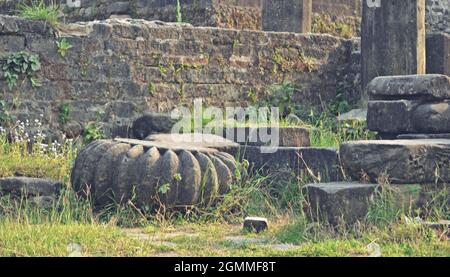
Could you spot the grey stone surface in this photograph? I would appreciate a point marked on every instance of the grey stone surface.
(194, 140)
(424, 136)
(323, 162)
(392, 117)
(30, 187)
(155, 173)
(438, 53)
(422, 87)
(401, 161)
(260, 136)
(287, 15)
(393, 42)
(338, 203)
(256, 224)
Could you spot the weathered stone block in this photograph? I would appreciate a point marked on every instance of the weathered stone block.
(423, 87)
(393, 38)
(390, 116)
(264, 136)
(256, 224)
(323, 162)
(30, 187)
(401, 161)
(152, 123)
(409, 117)
(338, 203)
(287, 16)
(438, 53)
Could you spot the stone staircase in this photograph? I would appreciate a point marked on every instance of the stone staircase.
(412, 115)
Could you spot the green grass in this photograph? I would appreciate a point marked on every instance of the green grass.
(38, 10)
(123, 230)
(206, 239)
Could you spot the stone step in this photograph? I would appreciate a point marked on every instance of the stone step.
(338, 202)
(402, 161)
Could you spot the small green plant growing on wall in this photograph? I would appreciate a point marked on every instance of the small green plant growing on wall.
(39, 10)
(64, 113)
(63, 46)
(280, 95)
(179, 15)
(20, 63)
(92, 132)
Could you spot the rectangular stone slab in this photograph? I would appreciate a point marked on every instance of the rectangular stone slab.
(438, 53)
(392, 38)
(409, 117)
(422, 87)
(402, 161)
(347, 202)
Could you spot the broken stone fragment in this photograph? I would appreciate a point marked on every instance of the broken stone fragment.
(338, 202)
(152, 123)
(256, 224)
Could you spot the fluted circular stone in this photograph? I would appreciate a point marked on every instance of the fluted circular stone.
(116, 171)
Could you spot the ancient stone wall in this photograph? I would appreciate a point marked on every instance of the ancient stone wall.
(237, 14)
(118, 69)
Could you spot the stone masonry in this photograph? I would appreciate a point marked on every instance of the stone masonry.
(119, 69)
